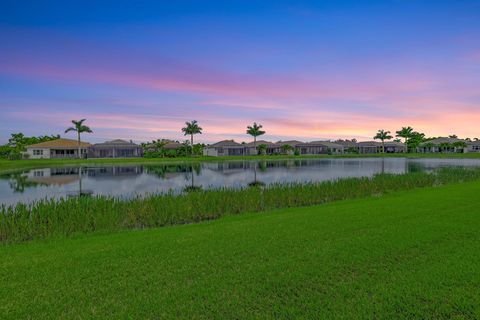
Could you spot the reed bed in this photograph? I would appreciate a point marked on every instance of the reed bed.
(67, 217)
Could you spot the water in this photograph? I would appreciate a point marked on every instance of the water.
(126, 181)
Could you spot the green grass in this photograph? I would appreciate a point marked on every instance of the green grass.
(71, 216)
(407, 255)
(8, 165)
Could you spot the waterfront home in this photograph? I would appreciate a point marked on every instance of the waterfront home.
(394, 147)
(292, 143)
(56, 149)
(224, 148)
(448, 145)
(473, 146)
(115, 149)
(368, 147)
(320, 147)
(172, 145)
(349, 146)
(271, 148)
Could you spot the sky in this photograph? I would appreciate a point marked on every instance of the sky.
(307, 70)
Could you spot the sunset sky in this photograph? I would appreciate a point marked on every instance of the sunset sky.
(307, 70)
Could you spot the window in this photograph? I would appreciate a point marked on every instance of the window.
(38, 152)
(38, 173)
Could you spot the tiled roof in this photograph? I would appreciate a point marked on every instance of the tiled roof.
(226, 143)
(441, 140)
(173, 145)
(60, 144)
(327, 144)
(292, 143)
(259, 142)
(369, 144)
(116, 143)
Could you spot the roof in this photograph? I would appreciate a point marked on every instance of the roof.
(116, 143)
(59, 144)
(347, 143)
(394, 144)
(369, 144)
(226, 143)
(292, 143)
(441, 140)
(172, 145)
(327, 144)
(259, 142)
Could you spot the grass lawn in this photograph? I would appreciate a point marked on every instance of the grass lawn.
(411, 254)
(7, 165)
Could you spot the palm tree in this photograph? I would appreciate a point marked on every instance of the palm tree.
(445, 147)
(459, 145)
(191, 128)
(428, 146)
(79, 128)
(405, 133)
(286, 148)
(262, 149)
(255, 131)
(383, 135)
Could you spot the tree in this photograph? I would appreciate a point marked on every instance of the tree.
(459, 144)
(453, 136)
(255, 130)
(383, 135)
(286, 149)
(191, 128)
(262, 149)
(445, 146)
(405, 133)
(428, 146)
(79, 128)
(416, 138)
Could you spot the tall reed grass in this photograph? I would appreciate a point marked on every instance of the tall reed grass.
(67, 217)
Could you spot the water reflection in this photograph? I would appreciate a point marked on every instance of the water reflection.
(130, 181)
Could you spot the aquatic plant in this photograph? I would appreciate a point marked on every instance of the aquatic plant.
(70, 216)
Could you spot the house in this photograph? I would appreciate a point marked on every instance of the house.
(292, 143)
(320, 147)
(115, 149)
(172, 145)
(368, 147)
(448, 145)
(271, 148)
(395, 147)
(167, 145)
(473, 146)
(224, 148)
(57, 149)
(349, 146)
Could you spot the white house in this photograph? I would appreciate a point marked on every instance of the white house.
(59, 148)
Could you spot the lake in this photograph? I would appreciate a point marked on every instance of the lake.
(127, 181)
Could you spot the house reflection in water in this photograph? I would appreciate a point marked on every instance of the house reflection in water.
(70, 175)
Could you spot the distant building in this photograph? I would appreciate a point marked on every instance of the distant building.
(320, 147)
(57, 149)
(368, 147)
(224, 148)
(115, 149)
(449, 145)
(271, 148)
